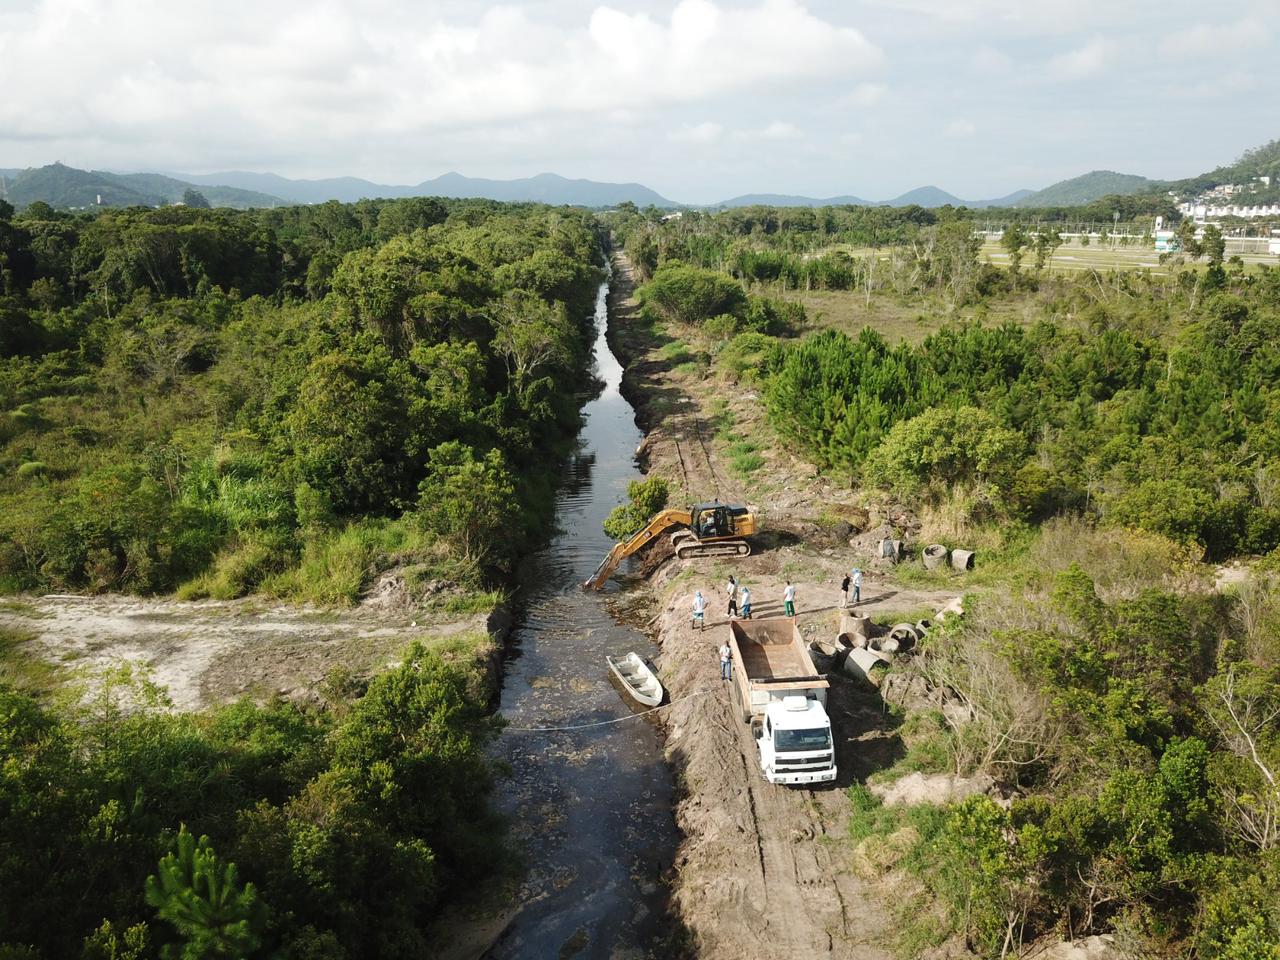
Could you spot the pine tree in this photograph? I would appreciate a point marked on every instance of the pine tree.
(200, 897)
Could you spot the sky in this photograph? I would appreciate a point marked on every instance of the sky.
(699, 99)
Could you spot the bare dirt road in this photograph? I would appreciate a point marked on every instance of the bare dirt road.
(763, 870)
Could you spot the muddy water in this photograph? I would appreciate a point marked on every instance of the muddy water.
(592, 808)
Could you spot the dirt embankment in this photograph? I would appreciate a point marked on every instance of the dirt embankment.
(763, 870)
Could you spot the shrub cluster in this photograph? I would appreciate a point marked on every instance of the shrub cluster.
(338, 833)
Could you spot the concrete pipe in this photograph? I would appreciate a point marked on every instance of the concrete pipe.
(934, 556)
(849, 641)
(856, 623)
(923, 627)
(823, 648)
(962, 559)
(866, 665)
(886, 549)
(905, 635)
(885, 644)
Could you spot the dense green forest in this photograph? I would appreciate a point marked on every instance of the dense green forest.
(283, 402)
(1122, 431)
(222, 402)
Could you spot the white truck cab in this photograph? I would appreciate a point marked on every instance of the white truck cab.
(794, 741)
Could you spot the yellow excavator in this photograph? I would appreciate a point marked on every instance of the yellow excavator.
(704, 530)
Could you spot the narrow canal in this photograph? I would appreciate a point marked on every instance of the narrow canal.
(591, 808)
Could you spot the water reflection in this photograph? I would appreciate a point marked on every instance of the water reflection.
(592, 808)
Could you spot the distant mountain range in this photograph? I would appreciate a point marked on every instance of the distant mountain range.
(921, 196)
(65, 187)
(544, 188)
(62, 187)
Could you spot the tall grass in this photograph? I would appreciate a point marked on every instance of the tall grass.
(337, 567)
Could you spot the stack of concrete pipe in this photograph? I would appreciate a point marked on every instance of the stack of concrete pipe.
(864, 650)
(936, 555)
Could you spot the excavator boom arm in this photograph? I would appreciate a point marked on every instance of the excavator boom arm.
(660, 523)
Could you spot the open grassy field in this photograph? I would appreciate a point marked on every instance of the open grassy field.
(1073, 258)
(894, 319)
(901, 319)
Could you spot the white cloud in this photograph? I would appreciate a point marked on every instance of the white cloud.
(866, 94)
(778, 130)
(1212, 39)
(991, 61)
(961, 128)
(1229, 84)
(705, 132)
(206, 78)
(1027, 15)
(1082, 62)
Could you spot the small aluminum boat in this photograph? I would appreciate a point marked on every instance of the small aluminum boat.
(637, 678)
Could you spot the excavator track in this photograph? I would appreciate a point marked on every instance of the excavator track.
(681, 537)
(720, 548)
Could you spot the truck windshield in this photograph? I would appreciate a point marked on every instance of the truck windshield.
(816, 739)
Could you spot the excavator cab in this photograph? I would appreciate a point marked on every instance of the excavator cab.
(716, 520)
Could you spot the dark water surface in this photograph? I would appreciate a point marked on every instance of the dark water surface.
(592, 808)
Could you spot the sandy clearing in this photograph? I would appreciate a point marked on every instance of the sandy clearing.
(209, 652)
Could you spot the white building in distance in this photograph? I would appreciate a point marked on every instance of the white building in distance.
(1203, 211)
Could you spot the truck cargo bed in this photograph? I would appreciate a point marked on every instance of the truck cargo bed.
(766, 661)
(771, 655)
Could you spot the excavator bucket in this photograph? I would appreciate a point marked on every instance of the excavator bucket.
(606, 568)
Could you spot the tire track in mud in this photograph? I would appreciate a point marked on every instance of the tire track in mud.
(754, 877)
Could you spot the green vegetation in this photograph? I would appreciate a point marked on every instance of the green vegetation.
(60, 186)
(1142, 401)
(1098, 441)
(1139, 736)
(338, 833)
(22, 669)
(289, 400)
(1089, 187)
(645, 498)
(289, 403)
(1258, 162)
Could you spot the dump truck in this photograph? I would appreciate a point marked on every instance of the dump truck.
(780, 693)
(712, 529)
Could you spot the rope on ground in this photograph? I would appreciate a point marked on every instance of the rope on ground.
(605, 723)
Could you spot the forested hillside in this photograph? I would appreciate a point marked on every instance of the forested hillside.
(1103, 446)
(62, 187)
(285, 402)
(1263, 161)
(1088, 187)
